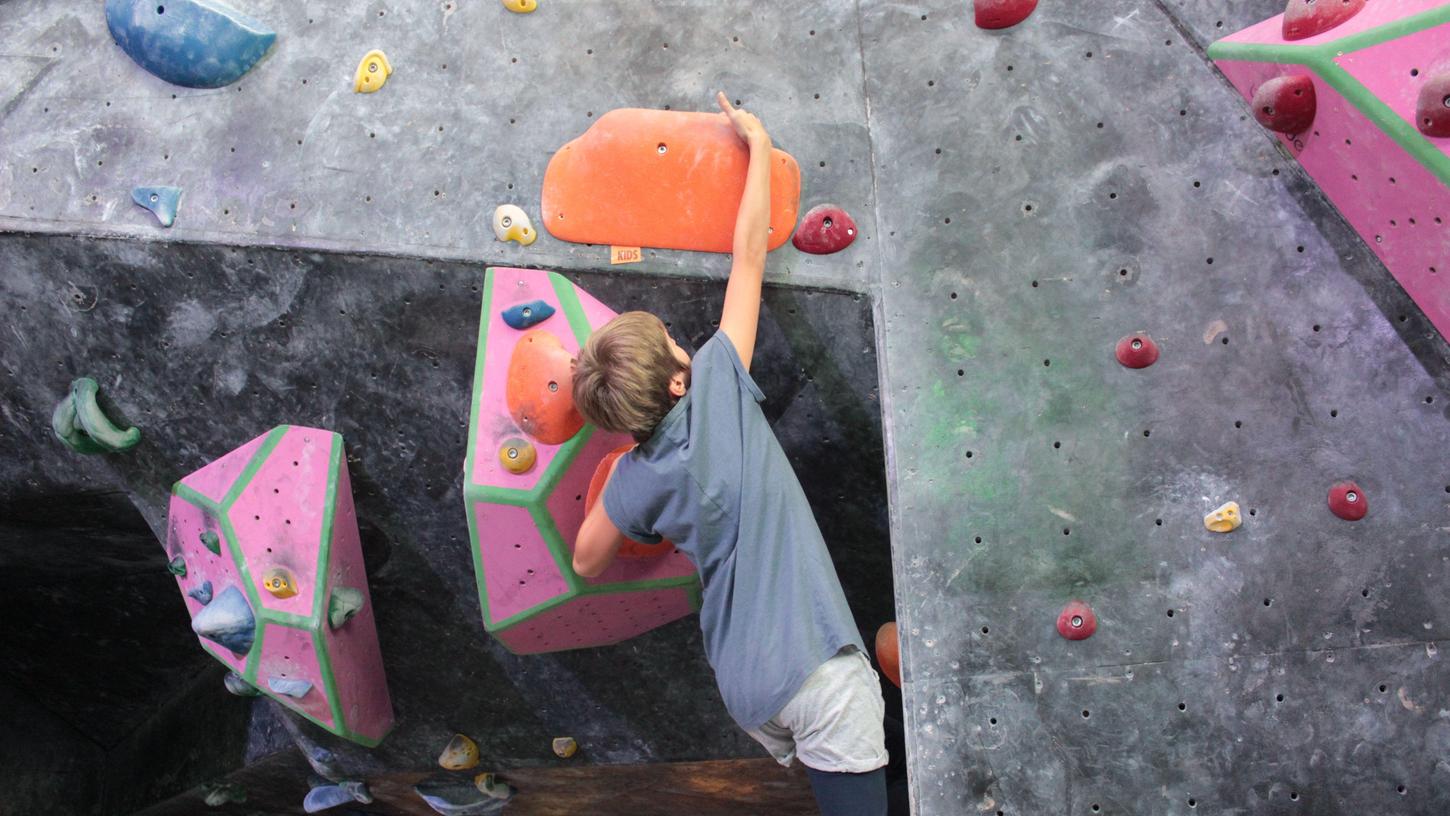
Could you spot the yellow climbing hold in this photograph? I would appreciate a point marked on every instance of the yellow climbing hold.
(372, 72)
(521, 6)
(1225, 519)
(510, 223)
(279, 582)
(516, 455)
(460, 754)
(565, 747)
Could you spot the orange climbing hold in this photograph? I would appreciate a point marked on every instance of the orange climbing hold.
(666, 179)
(888, 652)
(539, 390)
(630, 548)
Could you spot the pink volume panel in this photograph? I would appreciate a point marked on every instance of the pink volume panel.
(271, 530)
(526, 497)
(1394, 202)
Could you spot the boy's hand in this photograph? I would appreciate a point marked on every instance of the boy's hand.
(746, 125)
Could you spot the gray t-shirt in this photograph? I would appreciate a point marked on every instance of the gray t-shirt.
(714, 480)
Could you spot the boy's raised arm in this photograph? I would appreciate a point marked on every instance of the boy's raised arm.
(742, 293)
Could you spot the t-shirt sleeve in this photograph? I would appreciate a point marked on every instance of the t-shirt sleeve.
(627, 505)
(717, 371)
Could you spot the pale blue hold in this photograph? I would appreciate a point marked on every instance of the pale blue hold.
(161, 201)
(228, 621)
(357, 790)
(528, 314)
(325, 797)
(201, 594)
(459, 799)
(239, 686)
(289, 686)
(343, 605)
(193, 43)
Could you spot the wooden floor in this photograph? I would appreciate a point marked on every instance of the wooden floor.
(738, 787)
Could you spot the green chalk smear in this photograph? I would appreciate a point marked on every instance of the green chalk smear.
(210, 540)
(95, 422)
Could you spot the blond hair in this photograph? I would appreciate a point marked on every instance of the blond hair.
(622, 375)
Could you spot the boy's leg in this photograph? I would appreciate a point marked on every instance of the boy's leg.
(849, 794)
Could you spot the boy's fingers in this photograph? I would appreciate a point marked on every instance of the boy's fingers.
(724, 103)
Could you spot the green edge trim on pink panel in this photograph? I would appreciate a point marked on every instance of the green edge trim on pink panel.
(520, 617)
(324, 569)
(469, 487)
(1321, 59)
(573, 310)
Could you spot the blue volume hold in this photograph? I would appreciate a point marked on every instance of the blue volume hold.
(160, 200)
(528, 314)
(193, 43)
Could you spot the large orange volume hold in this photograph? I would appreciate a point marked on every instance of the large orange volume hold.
(630, 548)
(888, 652)
(540, 389)
(664, 179)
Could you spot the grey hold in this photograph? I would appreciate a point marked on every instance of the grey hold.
(459, 799)
(201, 594)
(228, 621)
(238, 685)
(343, 605)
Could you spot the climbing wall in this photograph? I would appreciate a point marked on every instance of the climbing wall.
(1045, 191)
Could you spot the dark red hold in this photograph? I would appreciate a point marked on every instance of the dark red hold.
(1003, 13)
(1347, 501)
(1077, 621)
(1305, 18)
(1285, 104)
(1137, 351)
(823, 230)
(1432, 109)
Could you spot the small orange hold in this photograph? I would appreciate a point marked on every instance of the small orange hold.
(630, 548)
(540, 389)
(888, 652)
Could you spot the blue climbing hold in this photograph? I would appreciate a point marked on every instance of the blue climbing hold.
(528, 314)
(290, 686)
(325, 797)
(227, 620)
(193, 43)
(161, 201)
(201, 594)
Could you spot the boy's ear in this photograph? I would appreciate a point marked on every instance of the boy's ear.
(677, 385)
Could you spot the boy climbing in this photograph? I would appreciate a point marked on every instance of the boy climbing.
(709, 475)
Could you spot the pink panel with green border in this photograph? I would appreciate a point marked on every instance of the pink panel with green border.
(522, 525)
(1390, 181)
(288, 575)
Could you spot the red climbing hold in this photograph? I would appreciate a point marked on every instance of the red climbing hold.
(539, 391)
(1137, 351)
(823, 230)
(1306, 18)
(1347, 501)
(1003, 13)
(1077, 621)
(1285, 104)
(888, 652)
(1432, 109)
(630, 548)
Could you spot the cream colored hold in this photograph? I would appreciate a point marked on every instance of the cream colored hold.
(1225, 519)
(372, 72)
(511, 223)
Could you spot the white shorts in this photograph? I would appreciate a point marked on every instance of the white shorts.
(835, 722)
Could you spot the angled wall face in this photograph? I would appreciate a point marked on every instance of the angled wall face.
(1365, 147)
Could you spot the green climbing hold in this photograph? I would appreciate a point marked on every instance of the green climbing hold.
(177, 567)
(79, 422)
(210, 540)
(224, 793)
(343, 605)
(238, 685)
